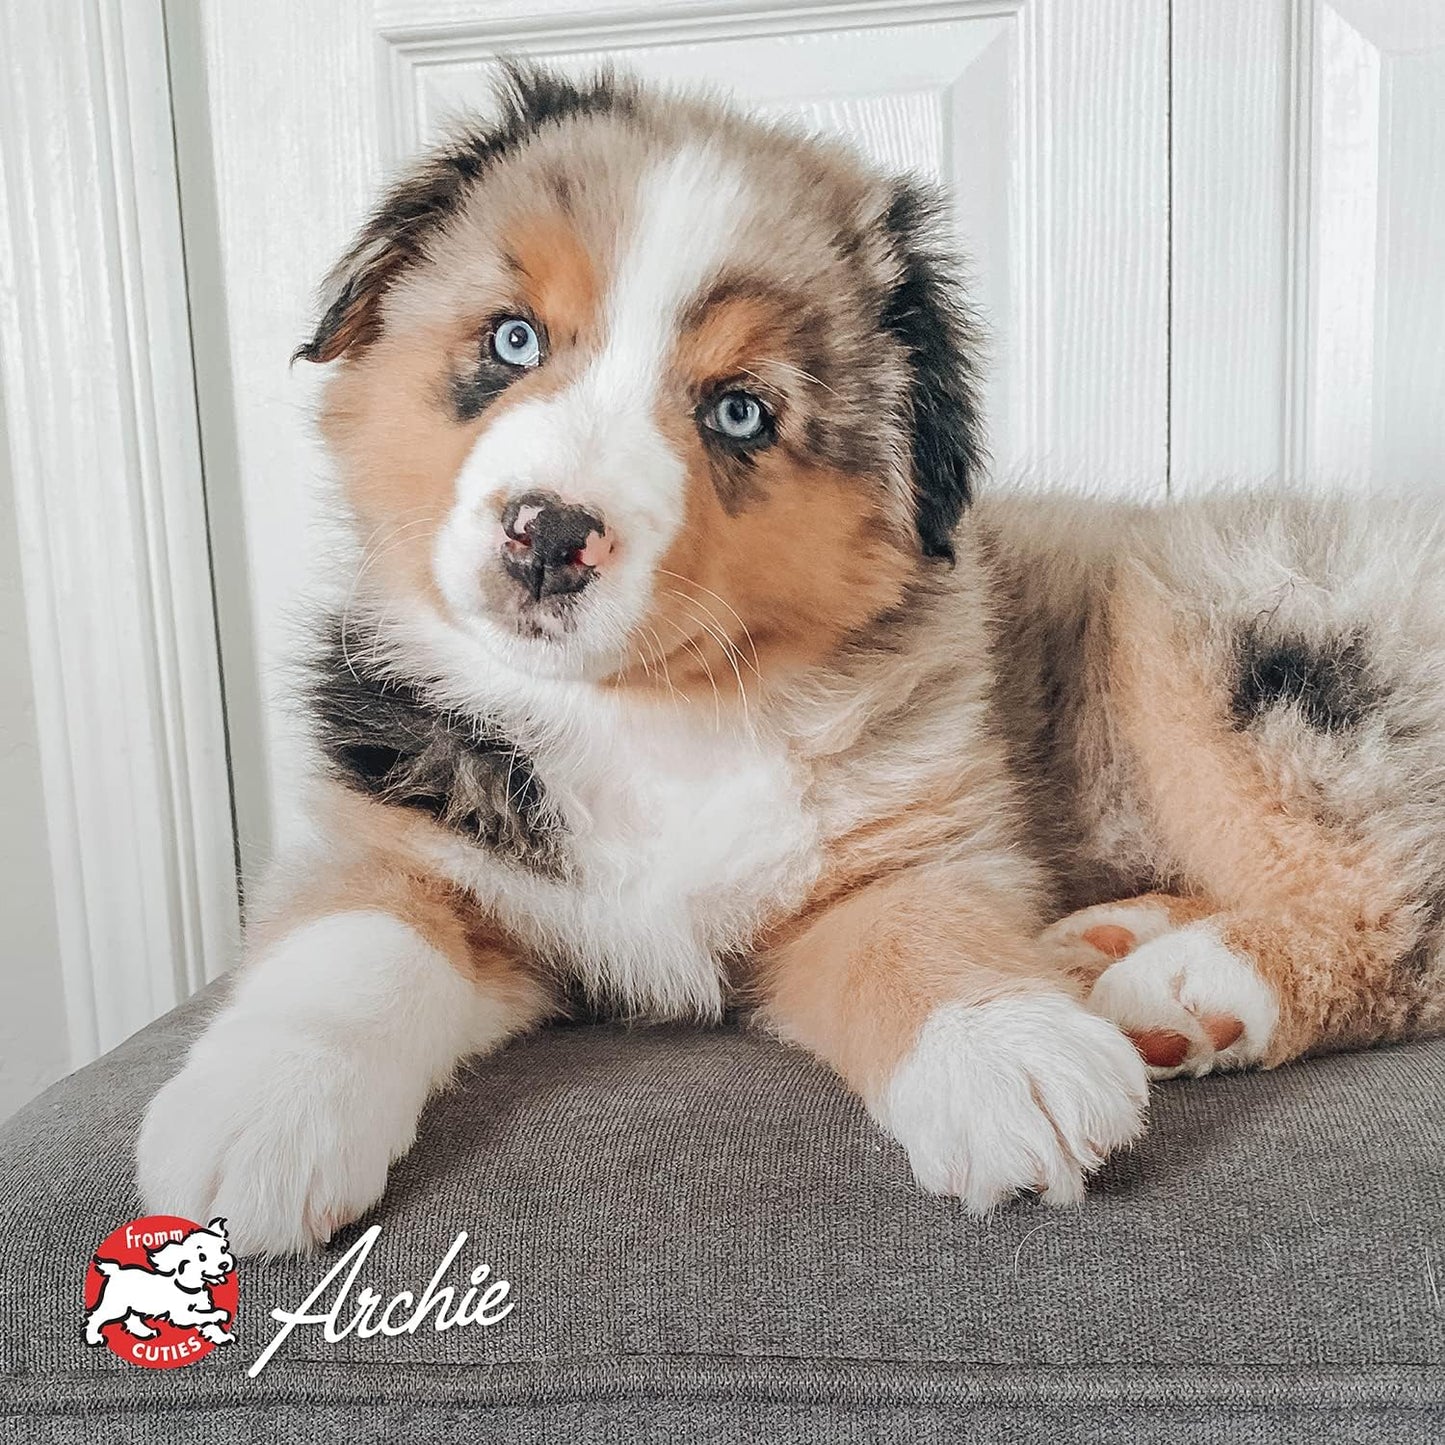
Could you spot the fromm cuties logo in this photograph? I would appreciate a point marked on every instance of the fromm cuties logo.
(161, 1292)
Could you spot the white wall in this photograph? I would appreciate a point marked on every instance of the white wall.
(33, 1047)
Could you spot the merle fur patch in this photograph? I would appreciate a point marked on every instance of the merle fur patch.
(1328, 681)
(384, 738)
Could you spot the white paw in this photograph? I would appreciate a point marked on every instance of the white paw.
(280, 1133)
(1190, 1004)
(1024, 1092)
(295, 1101)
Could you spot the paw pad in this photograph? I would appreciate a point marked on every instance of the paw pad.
(1110, 939)
(1160, 1048)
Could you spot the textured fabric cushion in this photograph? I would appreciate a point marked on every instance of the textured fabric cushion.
(708, 1240)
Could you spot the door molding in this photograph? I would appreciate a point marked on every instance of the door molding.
(408, 47)
(98, 389)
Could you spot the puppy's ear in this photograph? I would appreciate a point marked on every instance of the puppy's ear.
(218, 1226)
(395, 236)
(419, 204)
(168, 1258)
(926, 313)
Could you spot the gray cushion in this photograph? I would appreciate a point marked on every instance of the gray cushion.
(708, 1240)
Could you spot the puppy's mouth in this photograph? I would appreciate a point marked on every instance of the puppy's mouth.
(544, 619)
(210, 1278)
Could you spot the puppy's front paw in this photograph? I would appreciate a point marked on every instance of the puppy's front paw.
(284, 1134)
(1190, 1003)
(1025, 1092)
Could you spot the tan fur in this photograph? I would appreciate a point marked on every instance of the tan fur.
(559, 276)
(738, 337)
(383, 866)
(1323, 919)
(397, 464)
(736, 593)
(856, 984)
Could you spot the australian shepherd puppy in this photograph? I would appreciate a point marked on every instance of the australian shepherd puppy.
(678, 671)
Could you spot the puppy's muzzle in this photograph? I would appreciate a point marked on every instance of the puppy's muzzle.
(552, 547)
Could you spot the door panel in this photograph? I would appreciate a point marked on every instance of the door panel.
(1308, 204)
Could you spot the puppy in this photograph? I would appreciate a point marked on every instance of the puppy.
(176, 1289)
(679, 671)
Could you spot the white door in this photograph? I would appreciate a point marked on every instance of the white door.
(1308, 242)
(1045, 119)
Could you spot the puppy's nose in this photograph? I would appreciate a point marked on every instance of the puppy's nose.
(552, 546)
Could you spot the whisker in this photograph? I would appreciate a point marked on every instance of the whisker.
(660, 653)
(730, 653)
(372, 552)
(642, 660)
(706, 667)
(688, 581)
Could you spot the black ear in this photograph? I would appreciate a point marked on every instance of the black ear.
(410, 214)
(926, 312)
(430, 193)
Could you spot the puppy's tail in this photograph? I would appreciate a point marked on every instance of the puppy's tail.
(106, 1266)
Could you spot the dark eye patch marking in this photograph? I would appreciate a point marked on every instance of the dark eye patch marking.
(734, 475)
(811, 338)
(473, 392)
(755, 335)
(1328, 681)
(384, 738)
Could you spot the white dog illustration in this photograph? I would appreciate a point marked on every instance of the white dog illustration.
(176, 1288)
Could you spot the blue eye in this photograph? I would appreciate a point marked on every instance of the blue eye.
(737, 415)
(516, 343)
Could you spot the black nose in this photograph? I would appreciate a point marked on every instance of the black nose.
(552, 546)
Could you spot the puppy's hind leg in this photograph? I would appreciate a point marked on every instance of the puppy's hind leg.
(1303, 830)
(1240, 988)
(1179, 1023)
(1085, 943)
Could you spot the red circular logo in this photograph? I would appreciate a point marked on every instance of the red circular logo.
(161, 1291)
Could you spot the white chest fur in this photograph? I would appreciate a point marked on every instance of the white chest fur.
(682, 835)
